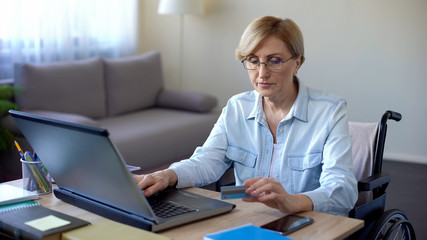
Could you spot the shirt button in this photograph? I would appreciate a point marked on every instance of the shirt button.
(276, 176)
(281, 130)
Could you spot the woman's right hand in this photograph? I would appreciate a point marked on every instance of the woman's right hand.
(157, 181)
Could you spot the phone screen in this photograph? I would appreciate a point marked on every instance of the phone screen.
(288, 224)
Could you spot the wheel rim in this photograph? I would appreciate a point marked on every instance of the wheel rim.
(392, 225)
(401, 229)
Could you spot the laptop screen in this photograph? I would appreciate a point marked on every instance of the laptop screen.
(83, 160)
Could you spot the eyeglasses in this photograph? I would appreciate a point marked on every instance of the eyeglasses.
(273, 63)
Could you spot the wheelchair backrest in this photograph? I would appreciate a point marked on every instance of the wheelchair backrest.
(364, 137)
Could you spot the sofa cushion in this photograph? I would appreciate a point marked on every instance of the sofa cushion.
(133, 83)
(157, 137)
(71, 87)
(186, 100)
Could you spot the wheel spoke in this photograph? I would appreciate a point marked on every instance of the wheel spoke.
(397, 232)
(392, 225)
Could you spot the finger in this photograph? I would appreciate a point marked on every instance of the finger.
(250, 184)
(268, 185)
(267, 196)
(146, 181)
(250, 199)
(251, 181)
(138, 178)
(261, 198)
(258, 186)
(153, 189)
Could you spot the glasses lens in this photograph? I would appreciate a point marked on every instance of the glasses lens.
(274, 63)
(251, 63)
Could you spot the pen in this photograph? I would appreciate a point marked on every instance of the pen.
(28, 158)
(37, 159)
(36, 171)
(19, 150)
(23, 159)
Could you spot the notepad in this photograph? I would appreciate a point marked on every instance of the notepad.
(37, 222)
(11, 194)
(47, 223)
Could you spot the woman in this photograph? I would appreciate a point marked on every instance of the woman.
(289, 144)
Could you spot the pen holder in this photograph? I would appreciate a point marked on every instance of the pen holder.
(35, 177)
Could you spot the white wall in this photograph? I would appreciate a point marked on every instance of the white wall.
(371, 52)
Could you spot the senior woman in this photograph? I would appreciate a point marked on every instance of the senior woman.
(289, 144)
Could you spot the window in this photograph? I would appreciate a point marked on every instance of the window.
(46, 31)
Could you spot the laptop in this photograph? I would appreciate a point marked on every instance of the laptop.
(91, 174)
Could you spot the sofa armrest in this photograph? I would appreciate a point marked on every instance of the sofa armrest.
(186, 100)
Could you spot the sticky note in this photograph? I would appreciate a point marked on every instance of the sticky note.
(47, 223)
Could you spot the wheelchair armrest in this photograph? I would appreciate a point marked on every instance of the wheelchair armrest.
(374, 181)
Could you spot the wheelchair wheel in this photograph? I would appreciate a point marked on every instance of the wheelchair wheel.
(393, 224)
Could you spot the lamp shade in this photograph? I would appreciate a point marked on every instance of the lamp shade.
(181, 7)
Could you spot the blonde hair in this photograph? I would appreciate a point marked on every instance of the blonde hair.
(285, 29)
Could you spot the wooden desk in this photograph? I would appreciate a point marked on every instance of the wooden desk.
(325, 226)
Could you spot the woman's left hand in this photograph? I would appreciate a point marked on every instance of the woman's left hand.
(271, 193)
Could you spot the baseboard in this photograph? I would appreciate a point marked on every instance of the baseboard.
(399, 157)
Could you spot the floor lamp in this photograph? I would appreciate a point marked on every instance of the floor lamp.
(181, 7)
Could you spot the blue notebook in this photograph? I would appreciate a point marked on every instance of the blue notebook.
(247, 232)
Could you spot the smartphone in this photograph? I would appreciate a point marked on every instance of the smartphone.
(288, 224)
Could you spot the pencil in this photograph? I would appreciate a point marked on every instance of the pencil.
(19, 150)
(39, 177)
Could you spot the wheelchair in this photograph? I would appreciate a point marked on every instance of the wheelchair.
(368, 148)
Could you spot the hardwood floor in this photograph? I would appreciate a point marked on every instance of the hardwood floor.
(407, 191)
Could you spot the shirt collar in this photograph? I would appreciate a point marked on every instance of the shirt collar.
(299, 109)
(257, 111)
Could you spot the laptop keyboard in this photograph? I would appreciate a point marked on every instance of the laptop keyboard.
(168, 209)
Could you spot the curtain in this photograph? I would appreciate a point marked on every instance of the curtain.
(43, 31)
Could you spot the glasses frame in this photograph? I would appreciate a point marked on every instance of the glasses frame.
(265, 63)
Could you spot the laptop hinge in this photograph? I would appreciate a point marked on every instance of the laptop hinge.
(103, 209)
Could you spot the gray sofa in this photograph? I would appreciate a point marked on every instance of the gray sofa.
(151, 126)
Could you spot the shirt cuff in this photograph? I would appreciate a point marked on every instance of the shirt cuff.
(183, 181)
(323, 203)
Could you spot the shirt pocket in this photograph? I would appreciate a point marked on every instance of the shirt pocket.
(244, 163)
(305, 171)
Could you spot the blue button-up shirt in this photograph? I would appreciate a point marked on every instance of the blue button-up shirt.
(313, 151)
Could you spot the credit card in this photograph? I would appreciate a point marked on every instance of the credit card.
(232, 192)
